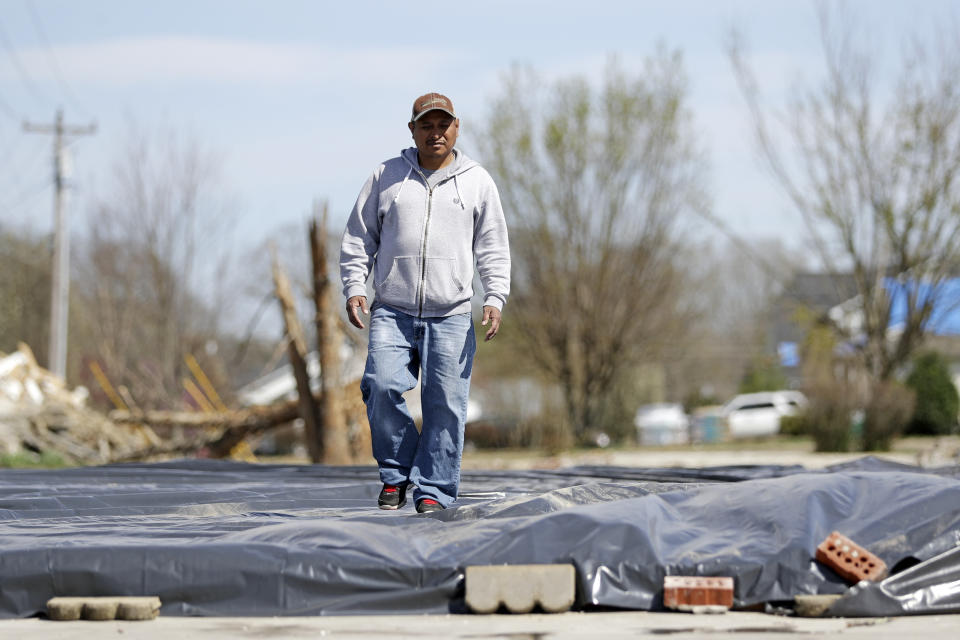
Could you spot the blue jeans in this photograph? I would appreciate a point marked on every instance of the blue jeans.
(441, 350)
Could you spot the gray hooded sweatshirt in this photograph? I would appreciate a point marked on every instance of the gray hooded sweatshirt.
(422, 241)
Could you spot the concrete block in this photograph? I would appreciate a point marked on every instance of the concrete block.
(521, 587)
(100, 609)
(65, 608)
(700, 594)
(138, 608)
(849, 560)
(104, 608)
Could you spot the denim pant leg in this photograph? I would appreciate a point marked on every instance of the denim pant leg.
(447, 351)
(391, 369)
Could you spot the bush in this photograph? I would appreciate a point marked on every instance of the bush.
(794, 425)
(891, 405)
(828, 418)
(937, 401)
(763, 374)
(490, 434)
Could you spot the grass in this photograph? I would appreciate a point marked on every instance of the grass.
(481, 458)
(30, 460)
(778, 443)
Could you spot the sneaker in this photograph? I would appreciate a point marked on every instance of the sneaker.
(426, 505)
(392, 496)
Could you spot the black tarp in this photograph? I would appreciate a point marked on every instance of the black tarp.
(224, 538)
(932, 586)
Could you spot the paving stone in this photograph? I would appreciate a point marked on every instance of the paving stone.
(104, 608)
(65, 608)
(849, 560)
(520, 588)
(100, 609)
(138, 608)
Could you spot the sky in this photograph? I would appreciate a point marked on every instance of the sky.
(300, 100)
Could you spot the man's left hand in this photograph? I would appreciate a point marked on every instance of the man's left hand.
(491, 315)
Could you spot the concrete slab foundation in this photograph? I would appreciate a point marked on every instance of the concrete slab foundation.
(564, 626)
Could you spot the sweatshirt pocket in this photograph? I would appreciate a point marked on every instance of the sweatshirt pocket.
(442, 282)
(400, 284)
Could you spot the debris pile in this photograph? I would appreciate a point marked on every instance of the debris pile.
(39, 414)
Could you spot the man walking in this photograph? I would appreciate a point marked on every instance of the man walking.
(421, 222)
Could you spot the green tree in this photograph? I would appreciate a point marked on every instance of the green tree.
(595, 180)
(763, 374)
(937, 400)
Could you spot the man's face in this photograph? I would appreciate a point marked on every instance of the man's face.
(435, 133)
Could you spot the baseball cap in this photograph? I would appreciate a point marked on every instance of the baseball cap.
(429, 102)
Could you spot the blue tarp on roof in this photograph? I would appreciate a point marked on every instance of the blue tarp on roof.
(945, 319)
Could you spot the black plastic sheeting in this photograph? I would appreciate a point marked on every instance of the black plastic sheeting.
(932, 586)
(218, 538)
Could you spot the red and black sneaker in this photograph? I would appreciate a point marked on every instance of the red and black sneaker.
(392, 496)
(426, 505)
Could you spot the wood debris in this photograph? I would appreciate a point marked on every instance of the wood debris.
(38, 414)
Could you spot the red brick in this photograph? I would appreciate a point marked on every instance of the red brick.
(684, 592)
(849, 560)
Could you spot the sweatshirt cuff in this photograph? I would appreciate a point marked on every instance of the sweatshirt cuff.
(355, 290)
(493, 301)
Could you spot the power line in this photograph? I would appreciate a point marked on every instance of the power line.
(8, 110)
(9, 151)
(26, 195)
(24, 76)
(742, 245)
(51, 58)
(4, 105)
(26, 165)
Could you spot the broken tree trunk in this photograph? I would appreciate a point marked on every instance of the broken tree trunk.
(333, 427)
(297, 350)
(221, 430)
(257, 418)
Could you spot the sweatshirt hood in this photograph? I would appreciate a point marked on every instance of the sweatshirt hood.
(460, 163)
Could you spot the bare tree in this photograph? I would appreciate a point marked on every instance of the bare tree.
(876, 178)
(157, 237)
(331, 416)
(24, 289)
(594, 181)
(297, 352)
(734, 283)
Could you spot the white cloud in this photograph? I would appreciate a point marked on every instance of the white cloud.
(173, 59)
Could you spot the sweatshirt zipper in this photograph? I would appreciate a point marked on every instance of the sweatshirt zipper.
(423, 247)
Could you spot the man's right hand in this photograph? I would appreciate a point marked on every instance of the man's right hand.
(355, 305)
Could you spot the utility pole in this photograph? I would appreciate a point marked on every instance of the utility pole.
(60, 285)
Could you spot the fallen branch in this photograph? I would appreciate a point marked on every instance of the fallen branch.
(220, 431)
(254, 417)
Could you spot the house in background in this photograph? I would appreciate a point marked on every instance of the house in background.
(808, 297)
(943, 326)
(280, 383)
(821, 297)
